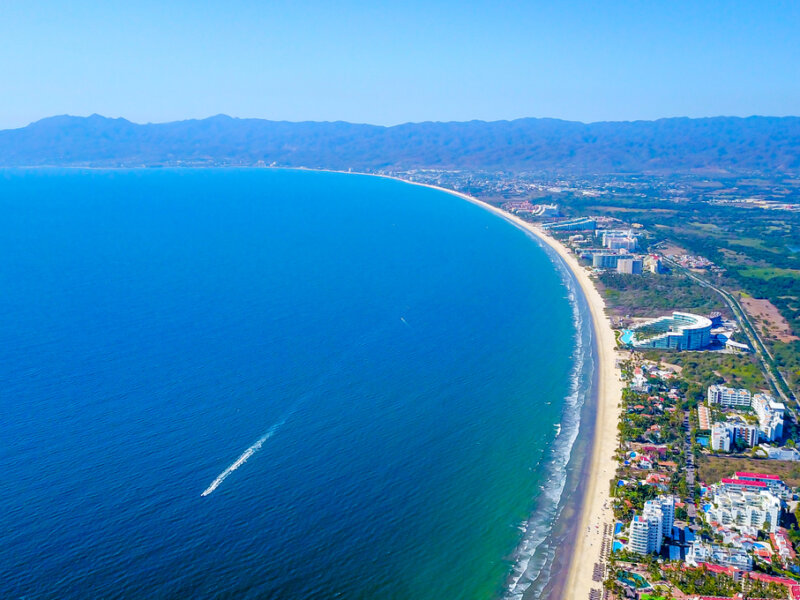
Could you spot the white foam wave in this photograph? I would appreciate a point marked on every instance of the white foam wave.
(243, 458)
(533, 557)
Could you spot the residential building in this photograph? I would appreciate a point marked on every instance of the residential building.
(630, 266)
(712, 553)
(645, 535)
(703, 417)
(724, 435)
(603, 260)
(581, 224)
(775, 453)
(720, 437)
(653, 263)
(648, 530)
(773, 482)
(621, 243)
(729, 397)
(747, 511)
(770, 416)
(620, 240)
(783, 545)
(662, 507)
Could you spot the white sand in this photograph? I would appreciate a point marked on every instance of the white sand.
(596, 506)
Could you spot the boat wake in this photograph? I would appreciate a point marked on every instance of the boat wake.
(244, 457)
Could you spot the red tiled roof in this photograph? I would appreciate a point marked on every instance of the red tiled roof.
(759, 484)
(772, 579)
(757, 475)
(716, 568)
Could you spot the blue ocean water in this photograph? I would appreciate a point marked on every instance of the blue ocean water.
(366, 378)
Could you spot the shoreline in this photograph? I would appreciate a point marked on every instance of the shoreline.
(581, 545)
(595, 504)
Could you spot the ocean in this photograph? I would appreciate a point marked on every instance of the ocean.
(259, 383)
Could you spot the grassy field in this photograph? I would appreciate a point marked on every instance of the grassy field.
(709, 368)
(713, 468)
(771, 272)
(649, 295)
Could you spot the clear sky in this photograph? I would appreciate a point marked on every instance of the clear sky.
(393, 62)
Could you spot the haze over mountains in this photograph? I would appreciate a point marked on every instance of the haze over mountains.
(675, 145)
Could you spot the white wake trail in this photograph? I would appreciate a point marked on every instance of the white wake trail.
(243, 458)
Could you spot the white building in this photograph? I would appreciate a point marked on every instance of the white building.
(639, 384)
(644, 535)
(775, 453)
(712, 553)
(773, 483)
(620, 243)
(745, 510)
(663, 506)
(620, 240)
(724, 435)
(630, 266)
(725, 396)
(720, 437)
(648, 530)
(770, 416)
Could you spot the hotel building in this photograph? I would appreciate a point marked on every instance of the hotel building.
(748, 511)
(712, 553)
(770, 416)
(648, 530)
(681, 331)
(730, 397)
(630, 266)
(772, 482)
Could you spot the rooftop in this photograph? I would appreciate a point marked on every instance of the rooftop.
(740, 474)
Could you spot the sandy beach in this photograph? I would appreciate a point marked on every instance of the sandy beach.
(596, 514)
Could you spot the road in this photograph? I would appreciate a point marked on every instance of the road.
(774, 377)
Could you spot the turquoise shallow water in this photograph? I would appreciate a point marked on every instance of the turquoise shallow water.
(376, 371)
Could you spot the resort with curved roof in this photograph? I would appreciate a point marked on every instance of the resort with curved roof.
(679, 331)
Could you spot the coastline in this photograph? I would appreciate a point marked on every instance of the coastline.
(580, 548)
(595, 505)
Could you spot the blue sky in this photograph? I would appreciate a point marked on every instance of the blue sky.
(388, 63)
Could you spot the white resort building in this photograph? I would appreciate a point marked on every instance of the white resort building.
(725, 435)
(712, 553)
(730, 397)
(680, 331)
(648, 530)
(746, 511)
(770, 416)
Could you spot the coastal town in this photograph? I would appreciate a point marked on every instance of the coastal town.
(696, 412)
(703, 501)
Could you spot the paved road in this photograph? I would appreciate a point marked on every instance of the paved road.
(773, 374)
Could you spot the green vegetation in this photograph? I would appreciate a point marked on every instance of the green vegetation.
(650, 295)
(702, 369)
(770, 273)
(756, 249)
(701, 581)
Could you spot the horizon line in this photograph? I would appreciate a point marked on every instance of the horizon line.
(426, 122)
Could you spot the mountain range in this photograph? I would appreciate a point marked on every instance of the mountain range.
(716, 144)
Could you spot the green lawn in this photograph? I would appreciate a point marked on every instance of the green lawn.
(770, 272)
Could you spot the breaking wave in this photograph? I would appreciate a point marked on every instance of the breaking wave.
(533, 557)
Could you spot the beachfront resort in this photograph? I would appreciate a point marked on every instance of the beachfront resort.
(703, 502)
